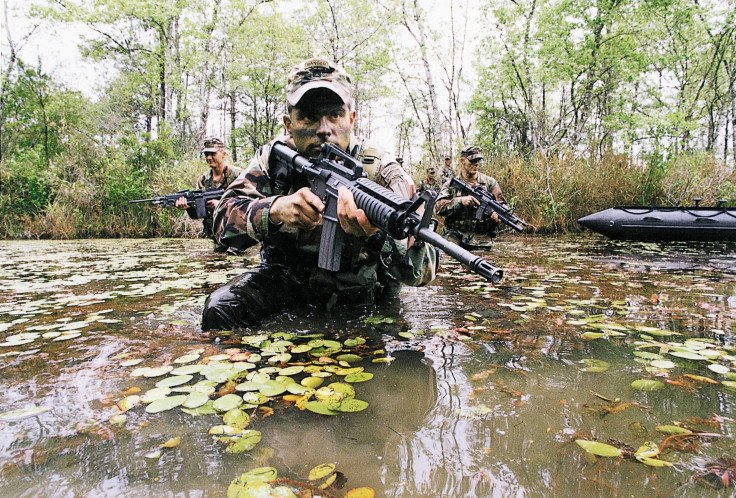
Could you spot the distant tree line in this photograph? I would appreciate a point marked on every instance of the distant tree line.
(625, 101)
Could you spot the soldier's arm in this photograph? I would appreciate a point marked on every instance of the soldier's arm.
(241, 219)
(409, 263)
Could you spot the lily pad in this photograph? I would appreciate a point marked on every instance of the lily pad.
(246, 442)
(167, 403)
(647, 385)
(672, 429)
(21, 413)
(599, 449)
(227, 402)
(195, 399)
(593, 365)
(320, 408)
(175, 380)
(358, 377)
(321, 471)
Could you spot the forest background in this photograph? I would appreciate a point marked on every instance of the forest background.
(579, 105)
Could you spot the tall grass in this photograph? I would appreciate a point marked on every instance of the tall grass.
(86, 195)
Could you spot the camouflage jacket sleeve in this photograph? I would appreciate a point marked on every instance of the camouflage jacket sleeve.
(405, 260)
(447, 203)
(241, 217)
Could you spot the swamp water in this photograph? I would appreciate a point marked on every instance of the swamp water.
(476, 390)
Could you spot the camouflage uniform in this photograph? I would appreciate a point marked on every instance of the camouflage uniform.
(461, 226)
(206, 182)
(429, 184)
(370, 268)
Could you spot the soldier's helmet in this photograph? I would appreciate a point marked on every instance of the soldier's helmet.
(317, 73)
(212, 144)
(472, 152)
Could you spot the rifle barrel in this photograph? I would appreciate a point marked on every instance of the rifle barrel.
(479, 265)
(136, 201)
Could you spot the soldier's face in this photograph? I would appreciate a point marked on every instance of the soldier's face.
(320, 117)
(470, 168)
(215, 158)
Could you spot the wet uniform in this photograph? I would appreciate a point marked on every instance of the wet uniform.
(370, 268)
(207, 182)
(461, 226)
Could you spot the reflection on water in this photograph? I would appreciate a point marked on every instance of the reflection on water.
(485, 396)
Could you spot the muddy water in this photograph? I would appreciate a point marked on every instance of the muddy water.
(487, 390)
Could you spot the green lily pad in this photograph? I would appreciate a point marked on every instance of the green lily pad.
(647, 385)
(358, 377)
(227, 402)
(155, 394)
(320, 408)
(599, 449)
(687, 355)
(246, 442)
(129, 402)
(21, 413)
(175, 380)
(672, 429)
(236, 418)
(593, 365)
(321, 471)
(254, 398)
(195, 399)
(272, 388)
(161, 405)
(653, 462)
(348, 405)
(158, 371)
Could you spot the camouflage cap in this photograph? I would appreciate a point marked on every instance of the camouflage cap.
(400, 160)
(448, 157)
(317, 73)
(213, 144)
(472, 152)
(431, 171)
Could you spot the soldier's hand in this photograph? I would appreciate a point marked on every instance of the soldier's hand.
(494, 217)
(212, 204)
(469, 200)
(301, 209)
(181, 203)
(352, 219)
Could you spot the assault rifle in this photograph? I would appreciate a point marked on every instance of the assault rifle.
(196, 198)
(392, 213)
(489, 205)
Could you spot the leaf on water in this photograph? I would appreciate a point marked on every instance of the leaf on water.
(664, 364)
(129, 402)
(259, 476)
(155, 394)
(648, 449)
(246, 442)
(118, 419)
(718, 368)
(195, 399)
(599, 449)
(364, 492)
(236, 418)
(161, 405)
(320, 408)
(187, 370)
(647, 385)
(158, 371)
(187, 358)
(22, 413)
(672, 429)
(130, 363)
(271, 388)
(254, 398)
(227, 402)
(590, 336)
(358, 377)
(175, 380)
(311, 382)
(292, 370)
(647, 355)
(172, 443)
(153, 455)
(321, 471)
(701, 378)
(347, 405)
(687, 355)
(653, 462)
(593, 365)
(349, 357)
